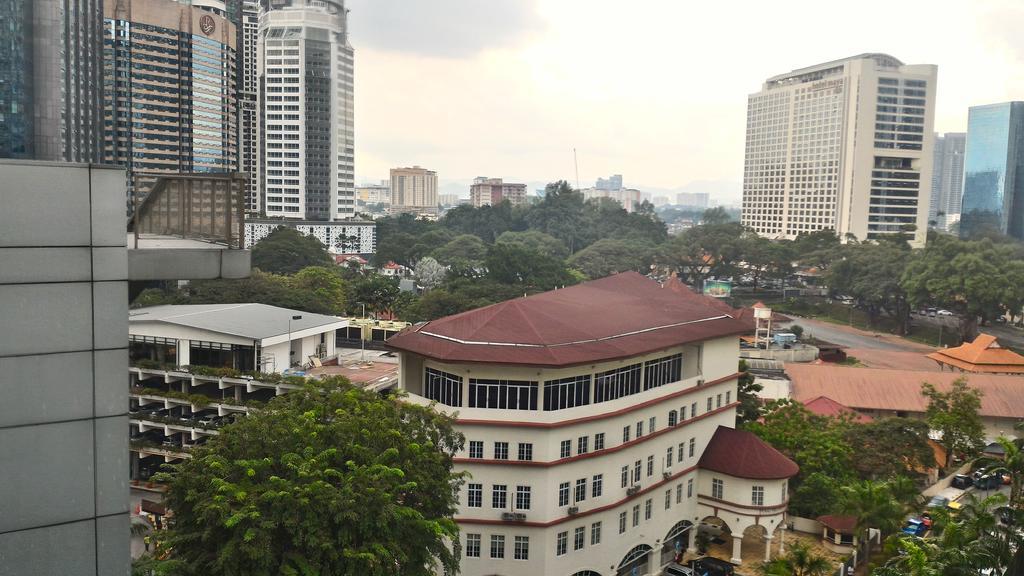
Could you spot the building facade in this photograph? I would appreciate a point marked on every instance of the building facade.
(993, 200)
(693, 199)
(306, 105)
(374, 193)
(630, 198)
(587, 456)
(845, 145)
(248, 108)
(170, 100)
(492, 191)
(613, 182)
(343, 237)
(413, 190)
(51, 62)
(947, 179)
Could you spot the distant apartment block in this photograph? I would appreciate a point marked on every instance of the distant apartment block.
(492, 191)
(993, 200)
(630, 198)
(613, 182)
(413, 190)
(448, 199)
(947, 179)
(374, 193)
(693, 199)
(340, 237)
(846, 145)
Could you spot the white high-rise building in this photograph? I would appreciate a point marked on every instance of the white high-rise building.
(845, 145)
(947, 179)
(306, 109)
(248, 104)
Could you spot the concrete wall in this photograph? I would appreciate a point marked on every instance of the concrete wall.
(63, 356)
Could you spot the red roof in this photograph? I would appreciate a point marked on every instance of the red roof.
(841, 524)
(983, 355)
(742, 454)
(614, 317)
(825, 406)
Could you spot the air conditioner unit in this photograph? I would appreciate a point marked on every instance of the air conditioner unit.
(667, 473)
(573, 510)
(513, 516)
(700, 381)
(632, 490)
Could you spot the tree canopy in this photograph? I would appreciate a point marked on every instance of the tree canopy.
(286, 251)
(954, 414)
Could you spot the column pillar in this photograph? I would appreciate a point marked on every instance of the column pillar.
(737, 546)
(782, 539)
(768, 549)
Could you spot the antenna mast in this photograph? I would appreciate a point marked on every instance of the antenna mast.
(576, 162)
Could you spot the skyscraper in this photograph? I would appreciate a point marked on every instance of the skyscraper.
(306, 110)
(171, 102)
(994, 171)
(413, 190)
(947, 179)
(51, 74)
(248, 100)
(843, 145)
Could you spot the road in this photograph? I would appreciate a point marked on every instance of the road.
(1007, 335)
(850, 337)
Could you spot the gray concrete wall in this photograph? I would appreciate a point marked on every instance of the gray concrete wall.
(63, 357)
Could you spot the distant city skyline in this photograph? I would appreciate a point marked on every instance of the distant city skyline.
(564, 87)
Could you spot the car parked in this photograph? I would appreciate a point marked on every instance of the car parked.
(938, 502)
(962, 481)
(915, 527)
(674, 569)
(945, 313)
(988, 482)
(713, 567)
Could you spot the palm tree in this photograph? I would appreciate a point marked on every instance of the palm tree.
(1012, 464)
(799, 561)
(872, 504)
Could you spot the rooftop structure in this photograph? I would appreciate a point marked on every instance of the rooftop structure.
(984, 355)
(825, 406)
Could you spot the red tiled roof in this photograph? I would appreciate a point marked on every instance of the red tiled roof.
(825, 406)
(900, 390)
(983, 355)
(742, 454)
(841, 524)
(614, 317)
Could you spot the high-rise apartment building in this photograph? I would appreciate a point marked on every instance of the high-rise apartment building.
(170, 97)
(947, 179)
(630, 198)
(51, 72)
(413, 190)
(248, 92)
(374, 193)
(993, 200)
(614, 182)
(845, 145)
(305, 62)
(492, 191)
(693, 199)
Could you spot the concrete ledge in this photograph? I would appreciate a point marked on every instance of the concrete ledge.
(188, 263)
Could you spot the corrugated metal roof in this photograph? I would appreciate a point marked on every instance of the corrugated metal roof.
(256, 321)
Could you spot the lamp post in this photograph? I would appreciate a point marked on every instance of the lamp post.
(362, 341)
(290, 318)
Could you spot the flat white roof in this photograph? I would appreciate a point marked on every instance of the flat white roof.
(255, 321)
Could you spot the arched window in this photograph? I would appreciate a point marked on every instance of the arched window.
(635, 554)
(673, 417)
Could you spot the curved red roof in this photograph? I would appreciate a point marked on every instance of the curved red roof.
(614, 317)
(742, 454)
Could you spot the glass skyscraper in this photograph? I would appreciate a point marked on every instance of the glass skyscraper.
(993, 200)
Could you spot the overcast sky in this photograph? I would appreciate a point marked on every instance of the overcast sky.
(652, 89)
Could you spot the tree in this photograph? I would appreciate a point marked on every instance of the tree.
(379, 293)
(611, 255)
(814, 495)
(429, 274)
(872, 504)
(286, 251)
(326, 480)
(560, 214)
(766, 259)
(464, 255)
(320, 288)
(890, 447)
(954, 414)
(715, 216)
(871, 273)
(702, 252)
(535, 240)
(799, 560)
(749, 408)
(817, 249)
(529, 269)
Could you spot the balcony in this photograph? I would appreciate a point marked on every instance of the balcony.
(187, 227)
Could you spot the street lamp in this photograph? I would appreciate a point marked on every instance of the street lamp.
(290, 352)
(362, 341)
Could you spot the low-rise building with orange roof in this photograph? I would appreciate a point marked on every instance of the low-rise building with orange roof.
(984, 355)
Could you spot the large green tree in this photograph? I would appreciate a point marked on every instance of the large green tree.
(954, 414)
(464, 255)
(703, 252)
(890, 447)
(535, 240)
(870, 273)
(327, 480)
(518, 266)
(611, 255)
(286, 251)
(872, 504)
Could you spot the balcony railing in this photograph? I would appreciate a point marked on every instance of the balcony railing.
(205, 207)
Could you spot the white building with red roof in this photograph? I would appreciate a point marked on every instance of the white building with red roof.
(599, 428)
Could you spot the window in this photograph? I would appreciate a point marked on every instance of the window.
(581, 444)
(636, 515)
(710, 399)
(639, 429)
(648, 509)
(650, 465)
(497, 546)
(567, 392)
(472, 545)
(622, 522)
(757, 495)
(625, 476)
(503, 394)
(693, 410)
(636, 472)
(581, 490)
(668, 457)
(662, 371)
(525, 451)
(717, 488)
(561, 543)
(475, 495)
(785, 488)
(501, 450)
(563, 494)
(651, 424)
(728, 396)
(617, 383)
(522, 497)
(499, 496)
(718, 401)
(599, 441)
(682, 413)
(693, 446)
(522, 548)
(625, 434)
(672, 415)
(566, 449)
(476, 449)
(679, 493)
(597, 485)
(668, 499)
(689, 488)
(443, 387)
(682, 452)
(595, 533)
(578, 537)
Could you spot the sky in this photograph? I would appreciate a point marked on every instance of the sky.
(652, 89)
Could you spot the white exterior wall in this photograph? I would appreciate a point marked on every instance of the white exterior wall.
(359, 237)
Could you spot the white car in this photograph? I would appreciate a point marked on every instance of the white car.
(945, 313)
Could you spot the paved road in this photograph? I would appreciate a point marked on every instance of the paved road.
(1008, 335)
(854, 338)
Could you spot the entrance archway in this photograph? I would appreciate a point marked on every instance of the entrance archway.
(676, 541)
(757, 539)
(639, 557)
(586, 573)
